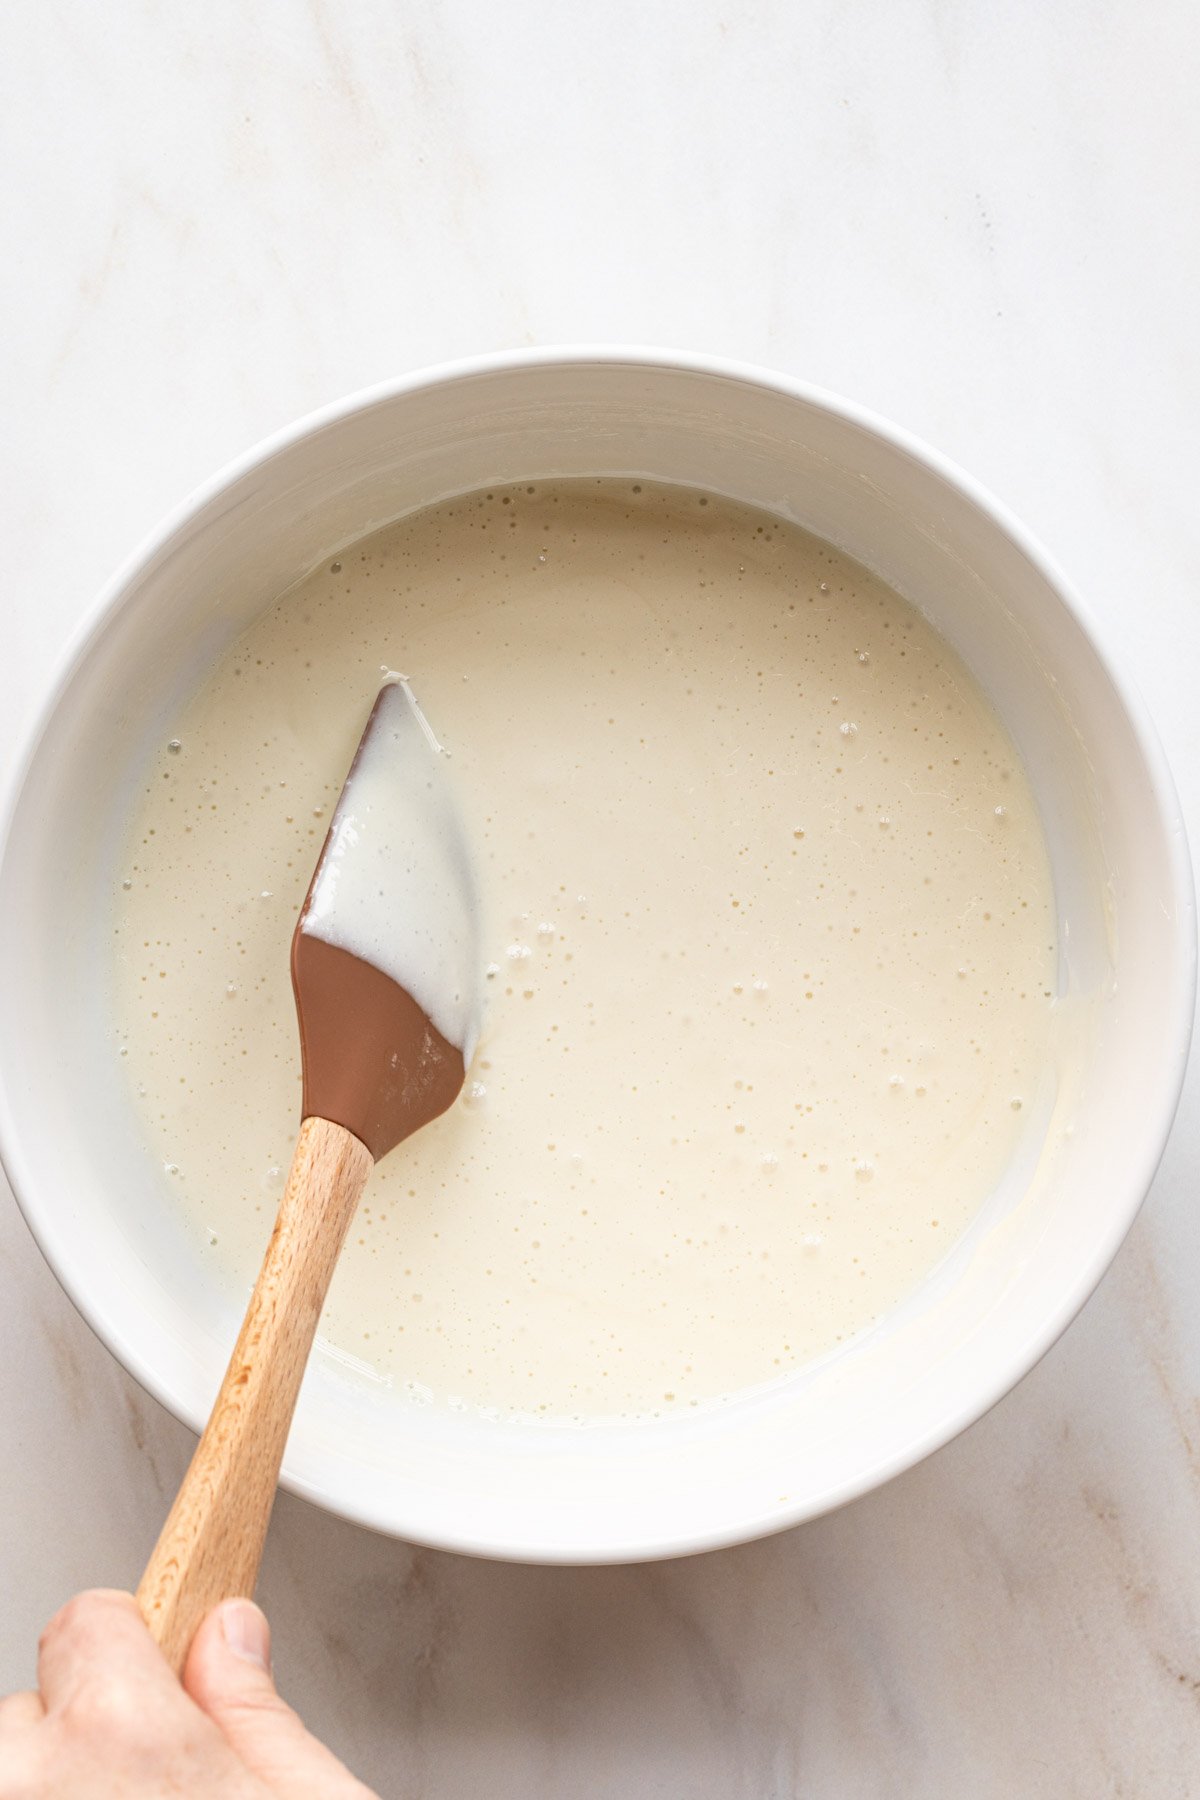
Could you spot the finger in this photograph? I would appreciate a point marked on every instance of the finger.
(96, 1635)
(228, 1675)
(17, 1711)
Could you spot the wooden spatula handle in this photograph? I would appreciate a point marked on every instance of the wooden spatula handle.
(212, 1542)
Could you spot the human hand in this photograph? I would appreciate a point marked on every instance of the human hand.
(110, 1721)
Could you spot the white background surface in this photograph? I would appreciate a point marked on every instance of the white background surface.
(979, 219)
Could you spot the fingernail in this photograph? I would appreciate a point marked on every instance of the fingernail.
(246, 1631)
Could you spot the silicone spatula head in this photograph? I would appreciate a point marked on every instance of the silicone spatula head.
(385, 954)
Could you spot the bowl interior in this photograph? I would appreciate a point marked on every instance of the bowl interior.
(100, 1206)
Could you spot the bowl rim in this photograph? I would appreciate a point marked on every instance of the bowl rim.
(1154, 1124)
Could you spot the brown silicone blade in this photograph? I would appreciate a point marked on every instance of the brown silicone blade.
(373, 1061)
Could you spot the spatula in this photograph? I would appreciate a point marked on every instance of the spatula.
(384, 968)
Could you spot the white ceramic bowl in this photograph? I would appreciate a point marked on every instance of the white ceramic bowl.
(97, 1203)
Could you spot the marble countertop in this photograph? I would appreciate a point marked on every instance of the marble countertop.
(980, 220)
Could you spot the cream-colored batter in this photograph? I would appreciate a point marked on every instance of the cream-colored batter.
(768, 943)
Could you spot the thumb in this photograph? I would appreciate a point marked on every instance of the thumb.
(228, 1675)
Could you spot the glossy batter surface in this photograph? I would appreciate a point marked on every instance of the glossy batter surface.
(768, 946)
